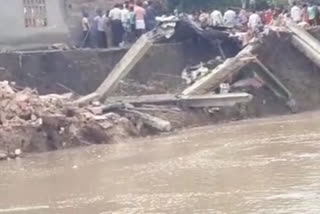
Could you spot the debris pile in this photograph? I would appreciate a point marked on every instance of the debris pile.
(33, 123)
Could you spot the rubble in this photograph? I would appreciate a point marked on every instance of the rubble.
(30, 122)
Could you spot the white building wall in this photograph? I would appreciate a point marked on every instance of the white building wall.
(14, 34)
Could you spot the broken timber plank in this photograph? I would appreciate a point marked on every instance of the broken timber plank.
(207, 100)
(221, 73)
(306, 49)
(305, 36)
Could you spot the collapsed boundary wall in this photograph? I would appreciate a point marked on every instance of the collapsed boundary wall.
(82, 71)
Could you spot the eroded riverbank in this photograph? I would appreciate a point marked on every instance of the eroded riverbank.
(256, 166)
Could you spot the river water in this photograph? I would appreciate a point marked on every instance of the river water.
(258, 166)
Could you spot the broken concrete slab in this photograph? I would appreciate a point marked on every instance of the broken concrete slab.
(276, 86)
(273, 82)
(207, 100)
(305, 36)
(151, 121)
(124, 66)
(306, 49)
(221, 73)
(305, 43)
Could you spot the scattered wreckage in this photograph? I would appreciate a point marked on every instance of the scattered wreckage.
(34, 123)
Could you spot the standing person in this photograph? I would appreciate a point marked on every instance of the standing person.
(254, 23)
(132, 22)
(108, 30)
(312, 13)
(115, 16)
(204, 18)
(125, 19)
(216, 18)
(304, 14)
(140, 15)
(100, 34)
(268, 16)
(85, 30)
(151, 16)
(243, 17)
(295, 13)
(229, 18)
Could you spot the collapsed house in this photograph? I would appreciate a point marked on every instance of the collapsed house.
(245, 82)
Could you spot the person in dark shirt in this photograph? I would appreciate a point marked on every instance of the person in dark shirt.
(150, 16)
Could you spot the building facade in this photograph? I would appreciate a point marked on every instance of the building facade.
(27, 24)
(33, 24)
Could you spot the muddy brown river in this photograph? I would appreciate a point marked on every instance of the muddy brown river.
(258, 166)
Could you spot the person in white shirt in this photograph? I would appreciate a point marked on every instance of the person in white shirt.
(295, 13)
(115, 16)
(216, 18)
(85, 30)
(229, 18)
(100, 27)
(125, 19)
(254, 22)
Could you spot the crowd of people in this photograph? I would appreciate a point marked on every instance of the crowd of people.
(251, 20)
(124, 23)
